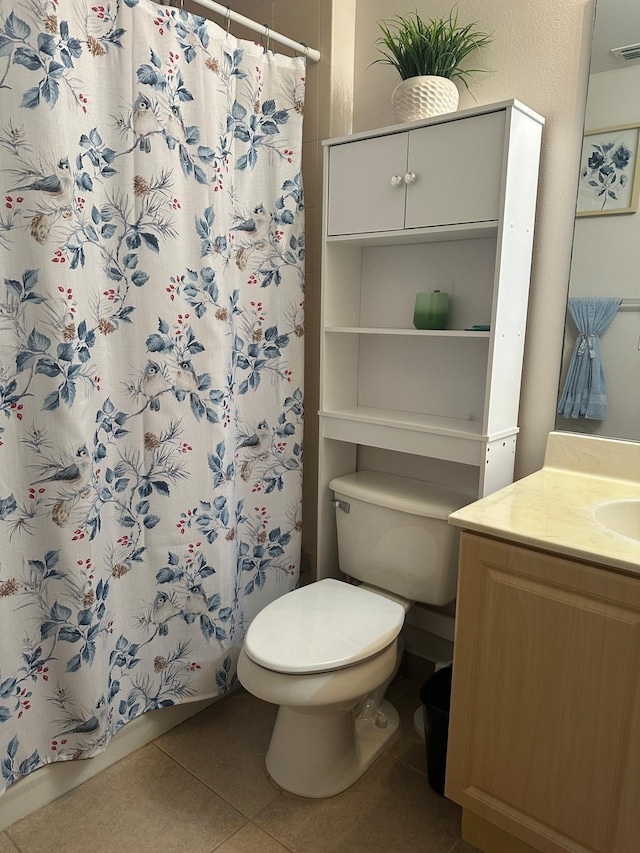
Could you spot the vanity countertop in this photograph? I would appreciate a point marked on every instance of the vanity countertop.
(555, 508)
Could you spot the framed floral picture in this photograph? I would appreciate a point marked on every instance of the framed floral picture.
(609, 173)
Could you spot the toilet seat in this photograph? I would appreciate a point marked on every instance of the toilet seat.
(321, 627)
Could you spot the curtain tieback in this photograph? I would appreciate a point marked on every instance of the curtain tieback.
(587, 342)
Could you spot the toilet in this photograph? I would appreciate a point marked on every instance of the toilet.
(326, 652)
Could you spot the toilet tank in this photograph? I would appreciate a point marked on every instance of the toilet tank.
(395, 535)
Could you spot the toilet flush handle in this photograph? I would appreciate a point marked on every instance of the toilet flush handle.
(343, 505)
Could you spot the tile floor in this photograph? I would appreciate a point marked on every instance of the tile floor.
(203, 787)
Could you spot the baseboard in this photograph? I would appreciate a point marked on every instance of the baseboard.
(50, 782)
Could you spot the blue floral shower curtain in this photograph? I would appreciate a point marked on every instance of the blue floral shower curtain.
(151, 322)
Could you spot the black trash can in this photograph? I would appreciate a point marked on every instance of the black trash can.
(435, 695)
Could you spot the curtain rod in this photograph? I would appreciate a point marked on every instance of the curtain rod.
(311, 54)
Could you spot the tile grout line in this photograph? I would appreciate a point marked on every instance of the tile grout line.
(275, 838)
(408, 764)
(253, 820)
(261, 829)
(202, 782)
(224, 799)
(229, 837)
(402, 761)
(198, 779)
(209, 787)
(421, 773)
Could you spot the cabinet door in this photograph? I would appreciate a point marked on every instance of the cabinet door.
(544, 738)
(361, 195)
(458, 171)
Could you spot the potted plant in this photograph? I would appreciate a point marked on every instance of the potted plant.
(427, 56)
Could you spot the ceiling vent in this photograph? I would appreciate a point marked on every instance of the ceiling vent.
(628, 53)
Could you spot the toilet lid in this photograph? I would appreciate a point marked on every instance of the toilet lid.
(324, 626)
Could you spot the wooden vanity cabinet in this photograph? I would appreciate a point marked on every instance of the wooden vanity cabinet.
(544, 739)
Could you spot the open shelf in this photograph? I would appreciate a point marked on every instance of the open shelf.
(435, 233)
(415, 421)
(410, 432)
(442, 333)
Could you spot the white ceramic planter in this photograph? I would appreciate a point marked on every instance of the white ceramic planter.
(421, 97)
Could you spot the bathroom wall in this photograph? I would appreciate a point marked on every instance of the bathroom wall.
(540, 55)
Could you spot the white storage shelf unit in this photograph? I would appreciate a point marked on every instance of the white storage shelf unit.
(447, 204)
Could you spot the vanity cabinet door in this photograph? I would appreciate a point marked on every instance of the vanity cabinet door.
(367, 186)
(544, 739)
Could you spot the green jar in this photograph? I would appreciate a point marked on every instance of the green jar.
(431, 310)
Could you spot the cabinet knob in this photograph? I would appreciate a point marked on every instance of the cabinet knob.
(396, 181)
(410, 178)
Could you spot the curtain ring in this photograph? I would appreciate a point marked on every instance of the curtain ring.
(267, 32)
(306, 50)
(228, 17)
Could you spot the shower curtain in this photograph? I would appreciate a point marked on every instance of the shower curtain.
(151, 323)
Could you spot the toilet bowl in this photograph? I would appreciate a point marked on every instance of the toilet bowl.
(325, 653)
(318, 655)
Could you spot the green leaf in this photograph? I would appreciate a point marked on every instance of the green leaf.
(435, 47)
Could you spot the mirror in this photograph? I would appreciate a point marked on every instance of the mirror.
(606, 247)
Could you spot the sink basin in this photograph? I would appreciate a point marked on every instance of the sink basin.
(621, 517)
